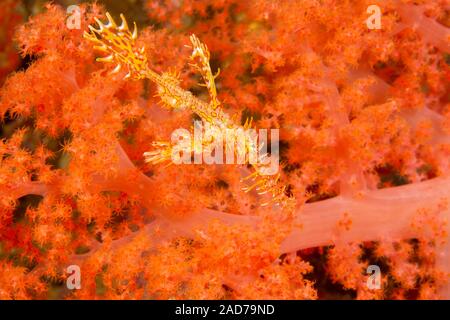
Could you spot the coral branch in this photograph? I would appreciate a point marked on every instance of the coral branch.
(430, 30)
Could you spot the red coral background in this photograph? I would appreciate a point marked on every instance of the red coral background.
(364, 120)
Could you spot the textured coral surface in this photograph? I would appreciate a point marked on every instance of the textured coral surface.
(364, 121)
